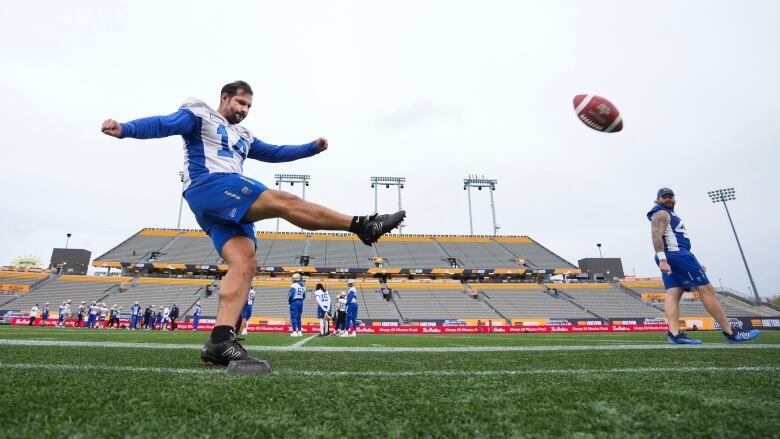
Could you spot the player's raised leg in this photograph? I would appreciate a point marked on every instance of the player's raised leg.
(312, 216)
(712, 305)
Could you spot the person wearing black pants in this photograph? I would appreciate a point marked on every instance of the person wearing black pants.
(174, 316)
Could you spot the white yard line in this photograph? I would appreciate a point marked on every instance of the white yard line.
(299, 343)
(396, 373)
(85, 367)
(385, 349)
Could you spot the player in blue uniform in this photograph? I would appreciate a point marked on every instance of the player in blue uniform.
(45, 314)
(226, 204)
(352, 309)
(295, 298)
(135, 313)
(681, 271)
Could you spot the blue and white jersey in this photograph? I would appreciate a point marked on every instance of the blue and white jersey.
(297, 292)
(211, 143)
(251, 298)
(93, 310)
(323, 299)
(352, 297)
(61, 309)
(135, 309)
(675, 236)
(66, 310)
(197, 311)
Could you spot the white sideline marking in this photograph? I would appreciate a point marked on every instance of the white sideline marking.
(83, 367)
(386, 349)
(396, 373)
(300, 343)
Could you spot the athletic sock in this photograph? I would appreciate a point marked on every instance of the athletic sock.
(221, 333)
(358, 224)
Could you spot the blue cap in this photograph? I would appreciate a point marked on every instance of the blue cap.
(664, 191)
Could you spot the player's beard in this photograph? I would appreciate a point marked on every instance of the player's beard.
(235, 118)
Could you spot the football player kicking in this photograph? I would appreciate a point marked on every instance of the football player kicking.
(681, 271)
(226, 204)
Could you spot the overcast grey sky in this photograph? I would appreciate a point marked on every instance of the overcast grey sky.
(428, 90)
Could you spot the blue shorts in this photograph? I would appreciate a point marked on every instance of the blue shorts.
(686, 272)
(219, 202)
(247, 312)
(320, 313)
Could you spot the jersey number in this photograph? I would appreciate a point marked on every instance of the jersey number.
(681, 230)
(226, 151)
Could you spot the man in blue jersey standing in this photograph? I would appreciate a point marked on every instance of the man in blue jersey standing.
(295, 298)
(681, 271)
(352, 309)
(226, 204)
(135, 313)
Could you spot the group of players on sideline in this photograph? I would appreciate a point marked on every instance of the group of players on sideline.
(94, 316)
(343, 312)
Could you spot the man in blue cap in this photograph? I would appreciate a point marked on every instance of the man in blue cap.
(681, 271)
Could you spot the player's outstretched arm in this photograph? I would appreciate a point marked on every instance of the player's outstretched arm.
(178, 123)
(658, 223)
(265, 152)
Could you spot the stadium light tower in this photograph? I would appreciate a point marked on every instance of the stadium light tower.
(292, 179)
(721, 196)
(181, 198)
(479, 183)
(67, 239)
(388, 181)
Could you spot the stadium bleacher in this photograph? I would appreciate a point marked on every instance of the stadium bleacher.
(607, 301)
(477, 252)
(280, 249)
(159, 292)
(528, 300)
(416, 298)
(340, 251)
(532, 252)
(411, 251)
(449, 301)
(74, 288)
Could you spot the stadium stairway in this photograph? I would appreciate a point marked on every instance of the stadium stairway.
(568, 298)
(481, 297)
(632, 293)
(198, 295)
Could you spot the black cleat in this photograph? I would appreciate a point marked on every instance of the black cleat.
(230, 353)
(224, 352)
(378, 225)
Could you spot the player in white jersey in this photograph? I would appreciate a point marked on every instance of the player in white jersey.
(226, 204)
(247, 313)
(323, 307)
(166, 318)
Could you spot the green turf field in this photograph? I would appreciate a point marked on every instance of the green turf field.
(95, 383)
